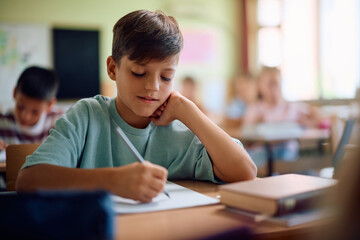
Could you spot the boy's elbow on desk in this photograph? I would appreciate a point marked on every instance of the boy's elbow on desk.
(31, 179)
(252, 172)
(248, 172)
(242, 170)
(246, 168)
(22, 182)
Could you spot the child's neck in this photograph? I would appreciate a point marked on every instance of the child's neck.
(141, 123)
(132, 119)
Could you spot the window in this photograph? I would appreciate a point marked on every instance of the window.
(314, 43)
(269, 34)
(339, 47)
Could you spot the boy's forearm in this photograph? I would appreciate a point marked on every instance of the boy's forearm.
(137, 181)
(231, 162)
(45, 176)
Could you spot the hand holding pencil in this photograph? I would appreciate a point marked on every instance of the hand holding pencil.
(157, 171)
(137, 181)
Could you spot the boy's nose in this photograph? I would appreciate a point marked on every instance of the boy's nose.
(25, 116)
(152, 83)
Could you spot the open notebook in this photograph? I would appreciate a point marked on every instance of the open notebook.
(180, 197)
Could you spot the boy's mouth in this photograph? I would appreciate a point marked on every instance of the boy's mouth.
(148, 99)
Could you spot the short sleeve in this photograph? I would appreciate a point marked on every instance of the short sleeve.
(64, 145)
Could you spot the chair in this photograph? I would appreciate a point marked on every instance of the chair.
(15, 158)
(341, 134)
(344, 140)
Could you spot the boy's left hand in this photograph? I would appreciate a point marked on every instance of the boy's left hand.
(169, 110)
(3, 145)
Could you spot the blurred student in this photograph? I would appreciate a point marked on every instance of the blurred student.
(34, 114)
(189, 90)
(84, 151)
(272, 108)
(242, 91)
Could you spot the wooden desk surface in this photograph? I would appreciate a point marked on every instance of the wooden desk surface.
(199, 222)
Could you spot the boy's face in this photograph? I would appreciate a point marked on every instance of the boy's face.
(141, 88)
(29, 110)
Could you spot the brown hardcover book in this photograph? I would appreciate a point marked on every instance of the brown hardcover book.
(276, 195)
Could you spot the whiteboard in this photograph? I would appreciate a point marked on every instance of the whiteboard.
(21, 45)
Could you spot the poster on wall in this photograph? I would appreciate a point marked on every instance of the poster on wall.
(202, 58)
(201, 46)
(21, 45)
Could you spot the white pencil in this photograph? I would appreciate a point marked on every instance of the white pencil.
(133, 150)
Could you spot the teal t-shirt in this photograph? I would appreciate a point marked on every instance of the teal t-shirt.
(85, 137)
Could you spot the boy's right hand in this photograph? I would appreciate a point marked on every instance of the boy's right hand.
(3, 145)
(140, 182)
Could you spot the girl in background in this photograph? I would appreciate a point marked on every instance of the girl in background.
(271, 107)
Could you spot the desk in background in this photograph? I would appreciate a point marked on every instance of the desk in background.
(307, 134)
(200, 222)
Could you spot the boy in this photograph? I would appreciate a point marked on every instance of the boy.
(33, 115)
(84, 151)
(189, 90)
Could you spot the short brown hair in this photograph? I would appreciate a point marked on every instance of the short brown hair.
(38, 82)
(145, 35)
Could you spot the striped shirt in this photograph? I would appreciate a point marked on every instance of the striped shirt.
(13, 133)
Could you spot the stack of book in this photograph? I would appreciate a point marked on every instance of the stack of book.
(288, 199)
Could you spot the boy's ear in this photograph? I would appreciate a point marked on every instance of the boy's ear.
(111, 68)
(52, 102)
(14, 93)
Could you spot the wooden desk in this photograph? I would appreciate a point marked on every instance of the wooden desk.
(306, 134)
(199, 222)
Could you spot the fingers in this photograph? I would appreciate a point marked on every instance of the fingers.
(171, 109)
(159, 111)
(3, 145)
(150, 191)
(158, 177)
(147, 181)
(157, 171)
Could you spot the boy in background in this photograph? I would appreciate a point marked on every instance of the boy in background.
(242, 92)
(84, 151)
(189, 90)
(33, 115)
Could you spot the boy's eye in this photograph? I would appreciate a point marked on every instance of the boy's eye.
(35, 112)
(138, 74)
(20, 107)
(166, 79)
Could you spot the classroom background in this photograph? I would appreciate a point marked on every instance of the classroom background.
(314, 44)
